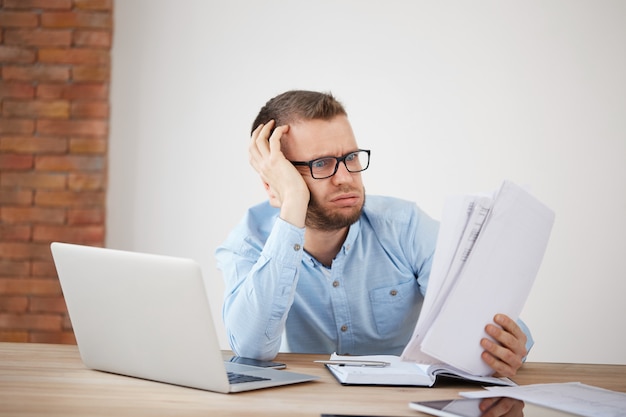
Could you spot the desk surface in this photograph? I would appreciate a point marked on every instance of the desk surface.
(50, 380)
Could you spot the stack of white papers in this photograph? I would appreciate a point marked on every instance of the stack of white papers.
(489, 251)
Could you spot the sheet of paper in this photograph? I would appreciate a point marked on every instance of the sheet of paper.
(574, 397)
(463, 218)
(456, 213)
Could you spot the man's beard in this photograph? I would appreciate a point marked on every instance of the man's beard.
(320, 219)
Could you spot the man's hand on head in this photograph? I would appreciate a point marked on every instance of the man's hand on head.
(285, 186)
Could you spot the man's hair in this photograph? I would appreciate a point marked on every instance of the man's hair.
(297, 105)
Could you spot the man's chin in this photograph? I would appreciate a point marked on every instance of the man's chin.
(333, 221)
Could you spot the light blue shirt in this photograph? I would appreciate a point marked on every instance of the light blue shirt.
(279, 298)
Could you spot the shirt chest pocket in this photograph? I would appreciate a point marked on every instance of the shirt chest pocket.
(395, 307)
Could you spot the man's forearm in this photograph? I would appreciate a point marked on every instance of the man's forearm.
(260, 291)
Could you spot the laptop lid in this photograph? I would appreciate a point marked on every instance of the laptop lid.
(148, 316)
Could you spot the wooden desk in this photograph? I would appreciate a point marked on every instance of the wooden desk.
(50, 380)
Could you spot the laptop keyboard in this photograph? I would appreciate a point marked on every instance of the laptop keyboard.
(235, 378)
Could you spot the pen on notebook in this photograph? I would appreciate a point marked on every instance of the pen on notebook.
(348, 362)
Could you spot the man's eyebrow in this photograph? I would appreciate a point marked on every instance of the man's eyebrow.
(333, 156)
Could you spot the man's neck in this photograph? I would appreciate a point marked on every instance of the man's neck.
(324, 245)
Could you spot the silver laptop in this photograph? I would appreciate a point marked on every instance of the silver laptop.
(148, 316)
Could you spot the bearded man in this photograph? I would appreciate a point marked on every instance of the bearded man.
(320, 268)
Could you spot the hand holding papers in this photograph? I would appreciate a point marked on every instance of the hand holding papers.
(488, 254)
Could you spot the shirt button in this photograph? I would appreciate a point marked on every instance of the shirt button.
(335, 284)
(296, 247)
(344, 328)
(393, 293)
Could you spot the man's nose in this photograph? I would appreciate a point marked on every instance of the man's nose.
(342, 175)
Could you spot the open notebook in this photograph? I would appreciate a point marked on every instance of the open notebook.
(148, 316)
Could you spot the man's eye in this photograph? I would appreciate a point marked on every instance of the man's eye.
(321, 163)
(352, 157)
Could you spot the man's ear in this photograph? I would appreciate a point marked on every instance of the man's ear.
(274, 201)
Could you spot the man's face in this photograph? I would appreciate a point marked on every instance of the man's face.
(336, 202)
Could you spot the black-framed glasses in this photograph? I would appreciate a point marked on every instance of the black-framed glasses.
(327, 166)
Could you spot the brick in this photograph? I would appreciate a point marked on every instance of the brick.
(54, 109)
(18, 215)
(14, 336)
(69, 163)
(94, 4)
(93, 38)
(69, 199)
(33, 144)
(83, 234)
(43, 269)
(10, 268)
(19, 126)
(60, 337)
(16, 90)
(94, 20)
(15, 233)
(85, 216)
(38, 37)
(18, 19)
(74, 56)
(86, 181)
(90, 109)
(92, 145)
(30, 321)
(90, 74)
(74, 91)
(72, 127)
(15, 304)
(16, 197)
(46, 73)
(33, 180)
(24, 251)
(48, 305)
(50, 91)
(29, 286)
(38, 4)
(17, 55)
(97, 91)
(15, 162)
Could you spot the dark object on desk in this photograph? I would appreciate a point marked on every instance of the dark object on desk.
(469, 407)
(258, 363)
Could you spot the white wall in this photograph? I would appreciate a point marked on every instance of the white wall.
(451, 96)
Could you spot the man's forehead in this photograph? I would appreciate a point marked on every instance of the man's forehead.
(319, 136)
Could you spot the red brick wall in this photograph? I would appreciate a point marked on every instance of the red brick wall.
(54, 111)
